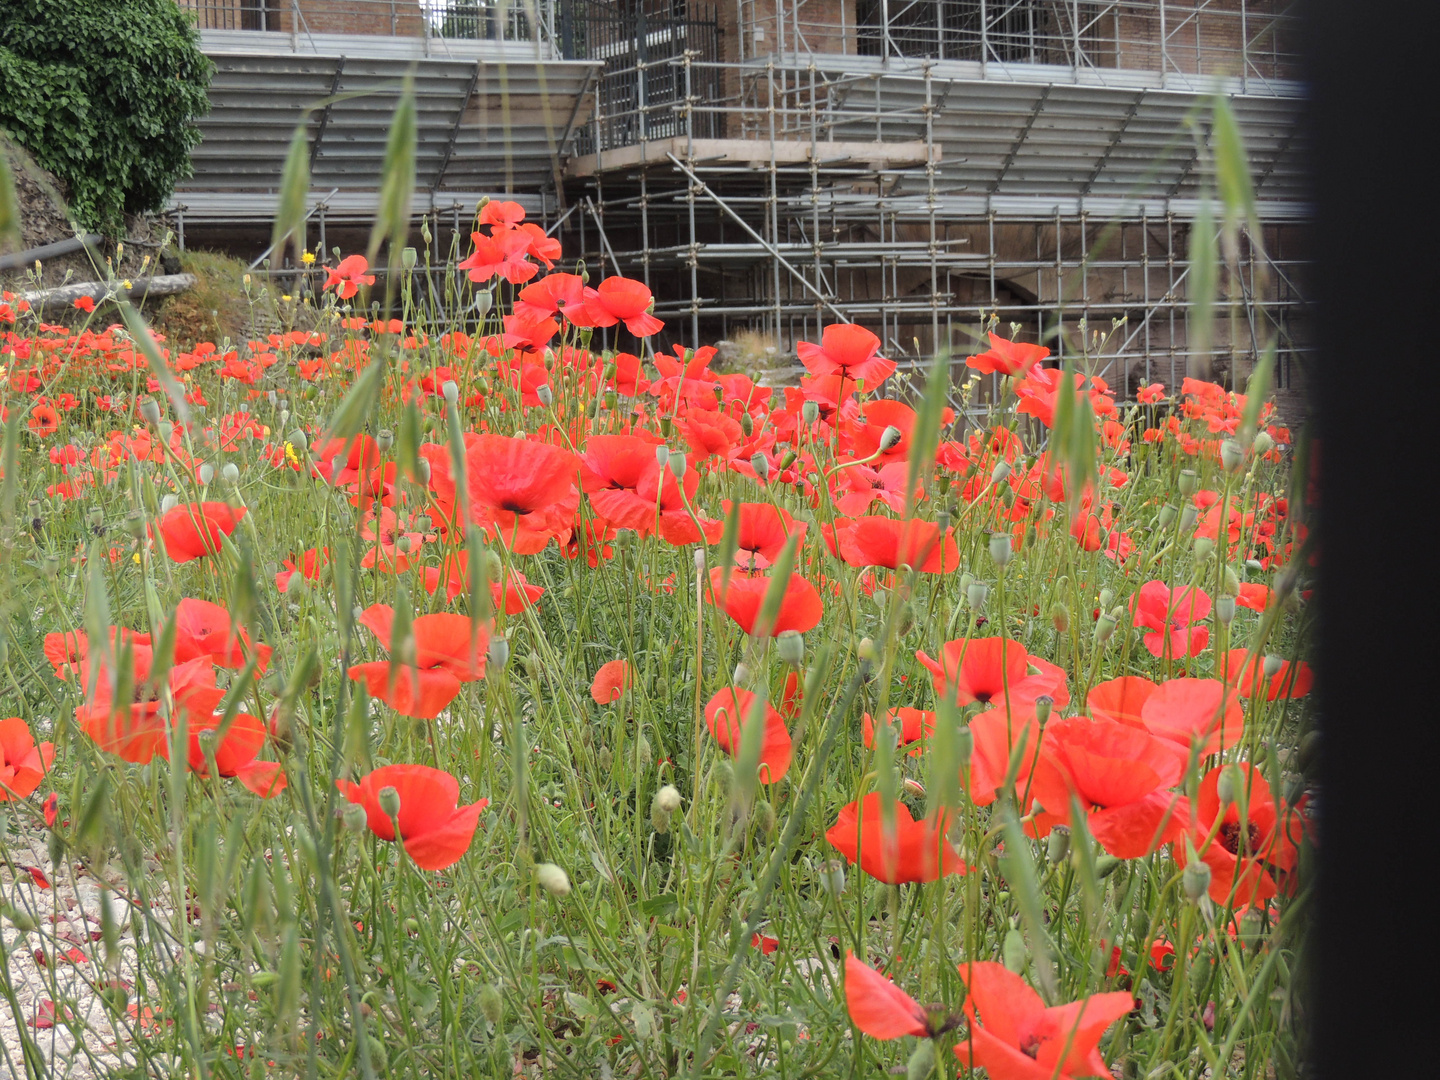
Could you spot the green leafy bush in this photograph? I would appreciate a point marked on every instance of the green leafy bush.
(105, 94)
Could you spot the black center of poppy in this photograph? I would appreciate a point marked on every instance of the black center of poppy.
(514, 507)
(1030, 1046)
(1230, 838)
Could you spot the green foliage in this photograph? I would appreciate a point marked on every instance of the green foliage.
(105, 94)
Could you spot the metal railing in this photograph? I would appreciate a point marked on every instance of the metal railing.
(457, 20)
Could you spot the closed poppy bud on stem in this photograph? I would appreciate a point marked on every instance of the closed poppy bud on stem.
(1043, 704)
(1232, 455)
(810, 412)
(1059, 844)
(1228, 785)
(791, 646)
(1104, 627)
(890, 438)
(553, 879)
(230, 473)
(353, 818)
(677, 463)
(832, 876)
(1224, 609)
(1168, 514)
(389, 800)
(1204, 548)
(761, 464)
(1060, 617)
(1000, 548)
(1196, 879)
(384, 439)
(922, 1060)
(1188, 517)
(1264, 443)
(206, 473)
(498, 654)
(976, 594)
(662, 455)
(1232, 582)
(491, 1005)
(1273, 664)
(1000, 472)
(545, 394)
(450, 390)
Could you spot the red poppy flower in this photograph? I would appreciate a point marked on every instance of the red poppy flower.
(763, 530)
(1120, 699)
(134, 729)
(193, 530)
(865, 438)
(502, 214)
(730, 711)
(449, 650)
(849, 351)
(1181, 710)
(548, 295)
(860, 485)
(1119, 774)
(916, 727)
(523, 489)
(44, 421)
(1167, 616)
(878, 1007)
(1015, 1037)
(66, 650)
(1254, 596)
(888, 542)
(993, 671)
(618, 299)
(435, 831)
(742, 595)
(206, 629)
(1007, 357)
(1242, 847)
(917, 850)
(544, 248)
(612, 680)
(500, 255)
(347, 278)
(22, 764)
(711, 434)
(994, 737)
(765, 943)
(1292, 679)
(308, 568)
(387, 543)
(236, 752)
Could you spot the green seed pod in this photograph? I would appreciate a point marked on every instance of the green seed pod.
(1188, 482)
(922, 1060)
(492, 1006)
(1014, 951)
(1196, 879)
(1059, 844)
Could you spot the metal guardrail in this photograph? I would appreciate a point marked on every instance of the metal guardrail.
(456, 20)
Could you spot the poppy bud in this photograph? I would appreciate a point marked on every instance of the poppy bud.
(678, 463)
(451, 391)
(1273, 664)
(483, 302)
(425, 231)
(499, 652)
(810, 412)
(612, 399)
(787, 460)
(1000, 548)
(1228, 786)
(353, 817)
(168, 503)
(662, 455)
(1231, 585)
(668, 799)
(206, 473)
(1043, 704)
(423, 523)
(1187, 517)
(890, 438)
(384, 439)
(491, 1005)
(1232, 455)
(832, 876)
(1000, 472)
(407, 258)
(966, 580)
(531, 663)
(606, 759)
(1060, 617)
(1196, 878)
(1168, 514)
(922, 1060)
(867, 650)
(1264, 443)
(298, 440)
(1059, 844)
(1104, 627)
(765, 817)
(96, 517)
(1013, 951)
(545, 394)
(422, 471)
(1107, 598)
(389, 800)
(150, 410)
(1204, 548)
(747, 424)
(761, 464)
(552, 879)
(976, 594)
(791, 646)
(659, 820)
(647, 755)
(1224, 609)
(230, 473)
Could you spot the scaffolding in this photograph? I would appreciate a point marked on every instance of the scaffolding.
(773, 166)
